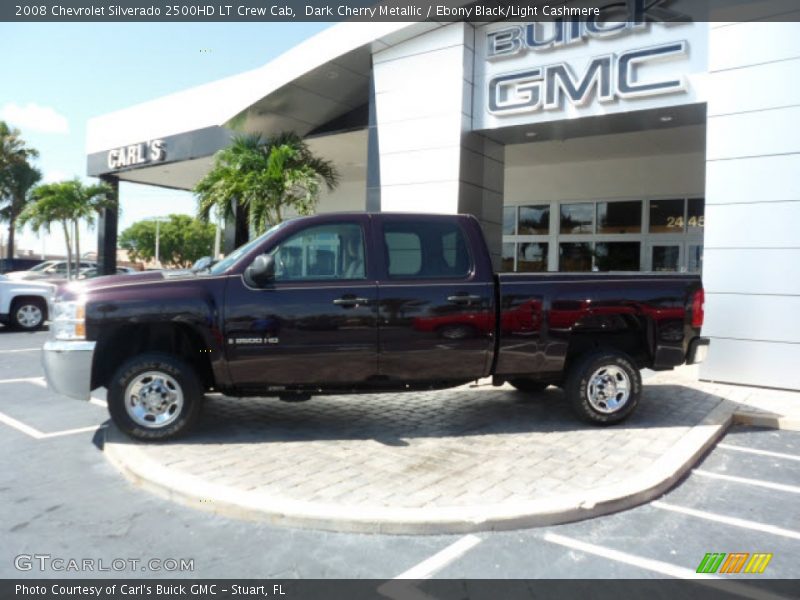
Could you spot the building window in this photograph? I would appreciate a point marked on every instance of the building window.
(575, 256)
(577, 218)
(532, 257)
(507, 262)
(696, 215)
(666, 216)
(509, 220)
(666, 258)
(695, 259)
(617, 256)
(619, 217)
(534, 220)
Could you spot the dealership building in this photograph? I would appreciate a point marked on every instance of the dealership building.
(580, 145)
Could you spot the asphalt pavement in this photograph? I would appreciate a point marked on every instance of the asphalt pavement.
(60, 498)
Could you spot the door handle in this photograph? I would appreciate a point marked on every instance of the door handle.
(350, 301)
(463, 299)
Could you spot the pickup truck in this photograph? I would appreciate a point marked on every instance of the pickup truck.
(24, 304)
(348, 303)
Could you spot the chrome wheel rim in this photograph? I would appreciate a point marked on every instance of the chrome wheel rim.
(609, 389)
(153, 399)
(29, 316)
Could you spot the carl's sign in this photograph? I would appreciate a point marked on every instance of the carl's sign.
(142, 153)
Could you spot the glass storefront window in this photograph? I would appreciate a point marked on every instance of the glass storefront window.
(617, 256)
(695, 259)
(666, 258)
(534, 220)
(575, 256)
(507, 261)
(509, 220)
(666, 216)
(619, 217)
(577, 218)
(532, 258)
(696, 215)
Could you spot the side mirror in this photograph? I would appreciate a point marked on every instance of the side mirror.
(261, 271)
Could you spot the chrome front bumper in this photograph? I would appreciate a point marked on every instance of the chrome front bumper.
(68, 367)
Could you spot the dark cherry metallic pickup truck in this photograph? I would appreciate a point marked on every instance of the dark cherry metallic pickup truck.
(348, 303)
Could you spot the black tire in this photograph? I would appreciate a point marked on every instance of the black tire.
(28, 314)
(175, 374)
(529, 386)
(589, 390)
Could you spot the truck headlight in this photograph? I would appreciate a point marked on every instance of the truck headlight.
(69, 320)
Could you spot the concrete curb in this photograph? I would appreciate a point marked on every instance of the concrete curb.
(192, 491)
(769, 420)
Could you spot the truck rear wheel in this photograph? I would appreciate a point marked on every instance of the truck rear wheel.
(155, 396)
(604, 387)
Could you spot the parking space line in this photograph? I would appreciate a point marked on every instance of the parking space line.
(736, 522)
(40, 435)
(661, 567)
(757, 482)
(429, 566)
(16, 350)
(35, 380)
(759, 452)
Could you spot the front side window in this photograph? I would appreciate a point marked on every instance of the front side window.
(322, 252)
(426, 251)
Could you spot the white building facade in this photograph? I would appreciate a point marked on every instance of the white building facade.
(579, 145)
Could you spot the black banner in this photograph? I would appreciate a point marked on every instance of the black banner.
(436, 589)
(395, 10)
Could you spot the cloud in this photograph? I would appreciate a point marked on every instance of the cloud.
(33, 117)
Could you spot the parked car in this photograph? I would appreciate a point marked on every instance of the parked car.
(51, 270)
(18, 264)
(365, 302)
(25, 304)
(93, 272)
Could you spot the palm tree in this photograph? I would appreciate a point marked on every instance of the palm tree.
(12, 147)
(264, 177)
(16, 182)
(51, 203)
(67, 203)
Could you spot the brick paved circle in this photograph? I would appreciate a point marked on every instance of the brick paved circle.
(435, 461)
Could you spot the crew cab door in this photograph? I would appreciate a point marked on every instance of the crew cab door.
(314, 324)
(436, 299)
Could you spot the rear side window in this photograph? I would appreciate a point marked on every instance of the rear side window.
(426, 250)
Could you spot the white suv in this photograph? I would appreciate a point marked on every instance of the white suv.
(25, 304)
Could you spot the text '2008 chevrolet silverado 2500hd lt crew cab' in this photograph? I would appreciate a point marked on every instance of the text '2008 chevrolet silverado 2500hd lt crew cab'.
(349, 303)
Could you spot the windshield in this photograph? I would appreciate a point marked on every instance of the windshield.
(42, 266)
(227, 262)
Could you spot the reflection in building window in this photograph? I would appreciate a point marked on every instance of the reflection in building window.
(534, 220)
(695, 259)
(666, 258)
(577, 218)
(619, 217)
(617, 256)
(575, 256)
(507, 262)
(532, 258)
(509, 220)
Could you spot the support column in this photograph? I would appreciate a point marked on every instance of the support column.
(430, 160)
(751, 269)
(107, 229)
(237, 231)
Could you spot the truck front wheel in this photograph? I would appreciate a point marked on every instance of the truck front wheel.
(604, 387)
(154, 396)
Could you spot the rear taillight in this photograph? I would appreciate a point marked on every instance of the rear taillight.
(698, 308)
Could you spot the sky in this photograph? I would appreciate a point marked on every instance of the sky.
(55, 76)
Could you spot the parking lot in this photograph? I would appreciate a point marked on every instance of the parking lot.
(62, 498)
